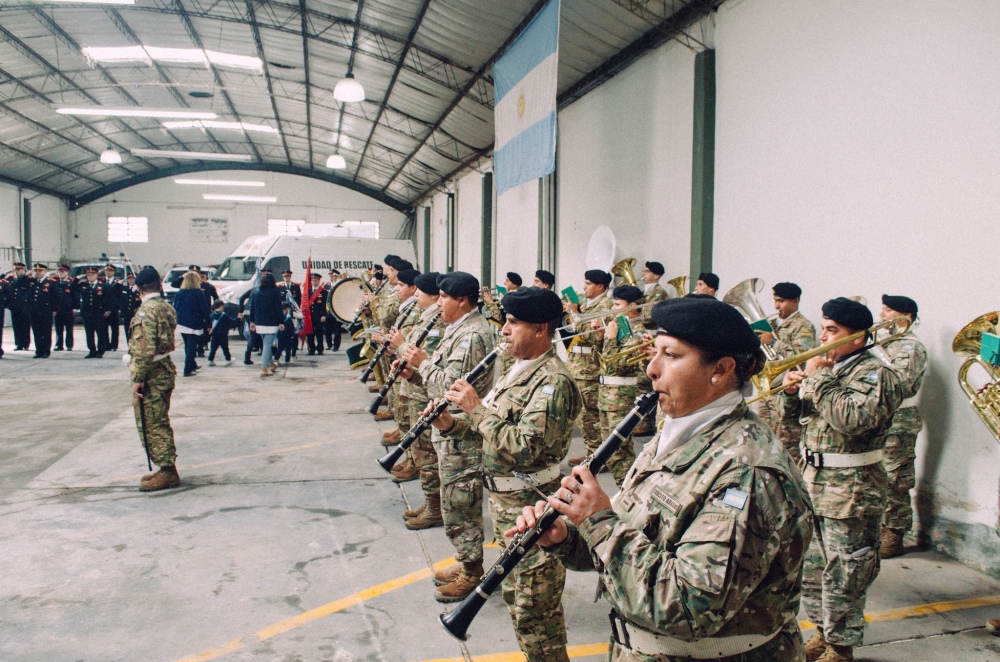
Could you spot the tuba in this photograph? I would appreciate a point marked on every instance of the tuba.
(624, 270)
(680, 285)
(743, 297)
(967, 344)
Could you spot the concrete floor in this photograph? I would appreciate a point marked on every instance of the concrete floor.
(285, 541)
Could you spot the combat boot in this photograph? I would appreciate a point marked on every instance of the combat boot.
(448, 575)
(993, 626)
(573, 461)
(835, 653)
(428, 519)
(384, 415)
(414, 512)
(374, 388)
(163, 479)
(466, 582)
(405, 473)
(815, 647)
(391, 438)
(892, 543)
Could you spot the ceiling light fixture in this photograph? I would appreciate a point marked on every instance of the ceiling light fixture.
(349, 90)
(195, 56)
(239, 198)
(217, 124)
(215, 182)
(90, 2)
(138, 112)
(336, 162)
(199, 156)
(110, 156)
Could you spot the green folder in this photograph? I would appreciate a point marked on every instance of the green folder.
(570, 294)
(989, 349)
(624, 328)
(501, 290)
(762, 325)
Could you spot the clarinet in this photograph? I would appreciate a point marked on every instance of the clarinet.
(425, 421)
(457, 621)
(401, 366)
(385, 343)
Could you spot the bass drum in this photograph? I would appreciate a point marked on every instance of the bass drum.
(345, 297)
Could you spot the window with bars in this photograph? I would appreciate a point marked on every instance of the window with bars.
(128, 229)
(368, 229)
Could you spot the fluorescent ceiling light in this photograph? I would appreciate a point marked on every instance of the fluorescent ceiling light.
(110, 156)
(87, 2)
(196, 56)
(137, 112)
(336, 162)
(200, 156)
(216, 182)
(239, 198)
(349, 90)
(217, 124)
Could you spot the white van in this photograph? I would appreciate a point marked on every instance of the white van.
(349, 255)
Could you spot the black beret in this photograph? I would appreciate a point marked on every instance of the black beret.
(427, 283)
(515, 278)
(629, 293)
(408, 276)
(597, 277)
(534, 305)
(787, 290)
(900, 304)
(696, 295)
(846, 312)
(706, 323)
(148, 276)
(458, 284)
(546, 277)
(656, 268)
(391, 260)
(709, 279)
(402, 265)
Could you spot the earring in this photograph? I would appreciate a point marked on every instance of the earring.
(713, 380)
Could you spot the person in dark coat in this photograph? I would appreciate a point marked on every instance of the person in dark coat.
(19, 307)
(266, 319)
(317, 312)
(43, 306)
(69, 301)
(221, 325)
(129, 301)
(286, 285)
(334, 330)
(288, 336)
(6, 296)
(95, 304)
(193, 317)
(114, 291)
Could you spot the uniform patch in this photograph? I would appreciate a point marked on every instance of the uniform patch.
(434, 333)
(871, 378)
(735, 498)
(666, 500)
(465, 345)
(142, 313)
(548, 389)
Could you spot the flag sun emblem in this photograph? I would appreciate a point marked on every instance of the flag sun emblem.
(520, 106)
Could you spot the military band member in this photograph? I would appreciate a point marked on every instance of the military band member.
(150, 341)
(129, 301)
(793, 334)
(113, 320)
(414, 394)
(544, 279)
(845, 400)
(43, 307)
(333, 329)
(405, 294)
(468, 338)
(493, 308)
(19, 319)
(68, 303)
(583, 362)
(525, 425)
(620, 382)
(700, 554)
(95, 306)
(317, 312)
(909, 360)
(652, 290)
(708, 284)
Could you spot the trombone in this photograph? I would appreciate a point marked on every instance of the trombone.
(773, 369)
(600, 314)
(634, 355)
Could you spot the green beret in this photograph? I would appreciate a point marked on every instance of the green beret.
(849, 313)
(900, 304)
(706, 323)
(534, 305)
(407, 276)
(629, 293)
(458, 284)
(147, 276)
(597, 277)
(427, 283)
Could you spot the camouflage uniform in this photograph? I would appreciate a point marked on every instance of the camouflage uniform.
(413, 393)
(704, 542)
(465, 343)
(656, 293)
(399, 406)
(792, 336)
(526, 425)
(616, 400)
(844, 410)
(909, 360)
(150, 341)
(583, 364)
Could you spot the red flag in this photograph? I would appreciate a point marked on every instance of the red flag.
(307, 327)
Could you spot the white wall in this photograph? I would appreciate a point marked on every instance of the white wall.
(469, 225)
(517, 232)
(170, 207)
(857, 154)
(48, 222)
(439, 233)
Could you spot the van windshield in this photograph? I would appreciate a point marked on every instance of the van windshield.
(236, 268)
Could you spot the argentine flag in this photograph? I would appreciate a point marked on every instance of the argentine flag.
(524, 86)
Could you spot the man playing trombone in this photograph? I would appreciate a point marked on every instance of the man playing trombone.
(845, 398)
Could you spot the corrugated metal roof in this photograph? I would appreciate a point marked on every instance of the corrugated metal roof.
(426, 66)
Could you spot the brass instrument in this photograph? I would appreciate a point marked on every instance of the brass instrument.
(764, 379)
(635, 354)
(624, 270)
(489, 294)
(986, 400)
(680, 285)
(600, 314)
(743, 297)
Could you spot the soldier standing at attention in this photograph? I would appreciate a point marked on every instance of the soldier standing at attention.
(700, 554)
(406, 295)
(525, 425)
(620, 382)
(582, 361)
(317, 311)
(112, 290)
(19, 318)
(287, 286)
(94, 308)
(845, 399)
(68, 301)
(468, 338)
(150, 341)
(909, 360)
(43, 306)
(6, 296)
(129, 301)
(793, 334)
(652, 290)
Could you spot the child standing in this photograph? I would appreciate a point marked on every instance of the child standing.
(288, 334)
(221, 324)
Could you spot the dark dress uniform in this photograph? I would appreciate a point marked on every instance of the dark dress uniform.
(294, 289)
(43, 305)
(19, 312)
(112, 290)
(317, 309)
(94, 302)
(68, 301)
(6, 298)
(334, 330)
(129, 300)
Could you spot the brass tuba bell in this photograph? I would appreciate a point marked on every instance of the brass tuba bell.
(968, 343)
(623, 269)
(743, 297)
(680, 285)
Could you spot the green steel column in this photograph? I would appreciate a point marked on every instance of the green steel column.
(487, 247)
(427, 239)
(26, 230)
(703, 166)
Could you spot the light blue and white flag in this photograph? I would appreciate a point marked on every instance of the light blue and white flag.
(524, 87)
